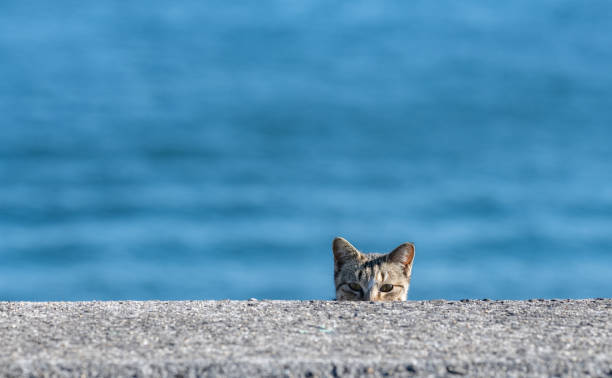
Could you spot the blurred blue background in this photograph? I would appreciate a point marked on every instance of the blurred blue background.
(213, 149)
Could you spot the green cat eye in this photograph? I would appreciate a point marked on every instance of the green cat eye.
(355, 286)
(386, 288)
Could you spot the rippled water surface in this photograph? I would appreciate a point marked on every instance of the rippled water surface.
(208, 150)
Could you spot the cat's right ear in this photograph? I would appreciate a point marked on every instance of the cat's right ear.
(404, 254)
(343, 252)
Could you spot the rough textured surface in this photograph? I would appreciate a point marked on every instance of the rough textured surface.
(306, 338)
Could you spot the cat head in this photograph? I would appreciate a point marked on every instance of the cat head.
(371, 276)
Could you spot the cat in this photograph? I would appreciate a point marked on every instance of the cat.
(371, 276)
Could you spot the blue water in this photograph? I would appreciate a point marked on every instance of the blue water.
(213, 149)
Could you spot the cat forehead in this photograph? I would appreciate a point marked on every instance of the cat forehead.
(373, 258)
(373, 262)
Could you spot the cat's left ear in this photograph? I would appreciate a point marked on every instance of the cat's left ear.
(404, 254)
(344, 252)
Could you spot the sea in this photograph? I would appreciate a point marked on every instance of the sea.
(213, 149)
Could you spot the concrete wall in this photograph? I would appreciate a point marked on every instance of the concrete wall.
(306, 338)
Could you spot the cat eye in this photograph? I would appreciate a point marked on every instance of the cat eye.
(355, 286)
(386, 288)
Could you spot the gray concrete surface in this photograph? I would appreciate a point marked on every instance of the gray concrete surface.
(306, 338)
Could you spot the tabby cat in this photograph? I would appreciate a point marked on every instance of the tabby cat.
(371, 276)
